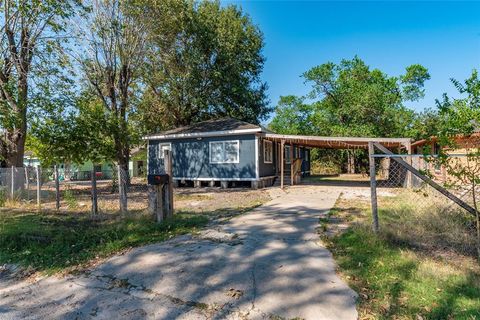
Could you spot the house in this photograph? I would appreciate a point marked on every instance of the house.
(226, 152)
(463, 144)
(104, 170)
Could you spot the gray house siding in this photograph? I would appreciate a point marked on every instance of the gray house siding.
(266, 169)
(191, 159)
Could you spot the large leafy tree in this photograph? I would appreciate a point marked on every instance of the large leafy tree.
(204, 61)
(30, 65)
(75, 133)
(351, 99)
(116, 41)
(461, 116)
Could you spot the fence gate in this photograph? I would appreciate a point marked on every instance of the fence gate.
(419, 186)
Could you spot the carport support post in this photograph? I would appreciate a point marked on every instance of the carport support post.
(373, 186)
(292, 162)
(282, 162)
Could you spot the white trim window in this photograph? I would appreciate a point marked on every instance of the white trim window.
(267, 151)
(225, 151)
(161, 149)
(287, 154)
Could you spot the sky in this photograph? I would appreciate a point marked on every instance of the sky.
(442, 36)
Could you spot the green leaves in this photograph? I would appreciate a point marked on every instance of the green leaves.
(350, 99)
(413, 82)
(204, 62)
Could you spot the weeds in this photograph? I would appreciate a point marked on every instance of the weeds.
(3, 197)
(70, 199)
(54, 242)
(409, 270)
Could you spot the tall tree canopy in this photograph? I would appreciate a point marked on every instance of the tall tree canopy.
(462, 115)
(204, 62)
(116, 42)
(350, 99)
(30, 66)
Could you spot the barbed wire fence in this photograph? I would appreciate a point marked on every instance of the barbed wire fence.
(414, 212)
(60, 188)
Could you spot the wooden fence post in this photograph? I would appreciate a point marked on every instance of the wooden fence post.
(373, 186)
(39, 187)
(94, 192)
(122, 188)
(57, 188)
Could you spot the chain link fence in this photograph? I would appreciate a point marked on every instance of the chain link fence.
(413, 212)
(66, 190)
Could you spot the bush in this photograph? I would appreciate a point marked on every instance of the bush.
(3, 196)
(70, 199)
(319, 167)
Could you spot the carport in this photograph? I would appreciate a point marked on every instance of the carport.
(328, 143)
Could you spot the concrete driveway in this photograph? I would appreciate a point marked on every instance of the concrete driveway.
(266, 264)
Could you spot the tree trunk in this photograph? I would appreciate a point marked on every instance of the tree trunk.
(351, 162)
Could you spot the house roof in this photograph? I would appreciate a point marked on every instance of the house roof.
(216, 127)
(229, 126)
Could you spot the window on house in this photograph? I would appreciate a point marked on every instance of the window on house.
(287, 154)
(267, 151)
(224, 151)
(307, 158)
(162, 147)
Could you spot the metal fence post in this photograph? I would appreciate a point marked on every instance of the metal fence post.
(373, 187)
(27, 183)
(94, 192)
(57, 188)
(12, 181)
(122, 189)
(39, 186)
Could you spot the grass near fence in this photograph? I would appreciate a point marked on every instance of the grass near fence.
(53, 242)
(410, 270)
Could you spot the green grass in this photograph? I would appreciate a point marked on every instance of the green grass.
(395, 281)
(51, 243)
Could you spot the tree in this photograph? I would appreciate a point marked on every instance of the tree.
(29, 46)
(462, 117)
(204, 61)
(350, 99)
(116, 47)
(358, 101)
(73, 134)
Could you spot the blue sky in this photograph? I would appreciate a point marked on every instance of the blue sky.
(442, 36)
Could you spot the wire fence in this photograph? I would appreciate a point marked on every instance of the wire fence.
(413, 211)
(51, 188)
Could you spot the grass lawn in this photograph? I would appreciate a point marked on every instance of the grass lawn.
(54, 242)
(398, 280)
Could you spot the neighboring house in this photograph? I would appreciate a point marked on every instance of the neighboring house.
(225, 152)
(138, 162)
(104, 171)
(463, 145)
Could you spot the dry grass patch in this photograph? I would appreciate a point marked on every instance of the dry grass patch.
(409, 270)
